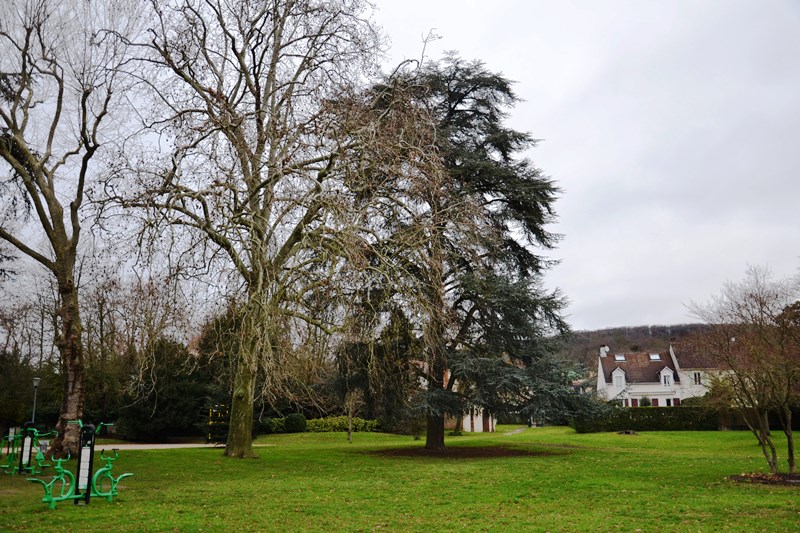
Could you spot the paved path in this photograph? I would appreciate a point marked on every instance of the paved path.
(145, 446)
(514, 432)
(160, 446)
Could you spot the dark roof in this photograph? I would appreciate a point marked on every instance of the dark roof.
(638, 367)
(688, 357)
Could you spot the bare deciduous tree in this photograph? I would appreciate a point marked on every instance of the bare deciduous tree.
(253, 167)
(126, 315)
(754, 336)
(58, 77)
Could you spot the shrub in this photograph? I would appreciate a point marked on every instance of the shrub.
(295, 423)
(267, 426)
(339, 423)
(697, 401)
(650, 419)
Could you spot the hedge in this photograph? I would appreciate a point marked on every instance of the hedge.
(339, 423)
(651, 419)
(316, 425)
(272, 425)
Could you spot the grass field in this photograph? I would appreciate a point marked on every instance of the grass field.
(670, 481)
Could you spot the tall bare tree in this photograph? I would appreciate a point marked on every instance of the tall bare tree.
(58, 76)
(252, 165)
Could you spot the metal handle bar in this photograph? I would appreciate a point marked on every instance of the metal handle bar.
(116, 455)
(96, 430)
(59, 461)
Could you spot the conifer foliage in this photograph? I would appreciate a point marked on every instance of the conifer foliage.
(489, 327)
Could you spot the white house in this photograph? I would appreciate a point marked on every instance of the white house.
(665, 378)
(477, 421)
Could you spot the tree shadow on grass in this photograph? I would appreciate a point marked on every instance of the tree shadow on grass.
(468, 452)
(791, 480)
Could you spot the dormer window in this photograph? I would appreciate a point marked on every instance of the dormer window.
(619, 357)
(667, 376)
(618, 377)
(655, 357)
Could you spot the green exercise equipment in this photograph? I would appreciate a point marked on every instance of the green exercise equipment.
(81, 486)
(23, 453)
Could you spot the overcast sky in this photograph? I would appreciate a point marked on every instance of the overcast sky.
(673, 128)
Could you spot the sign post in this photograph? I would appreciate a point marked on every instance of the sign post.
(26, 451)
(12, 432)
(83, 488)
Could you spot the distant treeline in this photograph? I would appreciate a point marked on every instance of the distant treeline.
(582, 346)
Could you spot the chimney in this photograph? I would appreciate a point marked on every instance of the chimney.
(604, 350)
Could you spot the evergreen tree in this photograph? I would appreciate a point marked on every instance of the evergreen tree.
(175, 396)
(499, 326)
(380, 371)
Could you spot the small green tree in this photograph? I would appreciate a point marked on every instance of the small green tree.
(380, 370)
(173, 400)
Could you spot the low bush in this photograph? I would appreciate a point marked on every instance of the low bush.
(339, 423)
(650, 419)
(295, 423)
(268, 426)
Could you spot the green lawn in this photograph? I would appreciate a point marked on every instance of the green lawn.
(672, 481)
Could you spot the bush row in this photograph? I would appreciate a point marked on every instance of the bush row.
(650, 419)
(339, 423)
(297, 423)
(294, 423)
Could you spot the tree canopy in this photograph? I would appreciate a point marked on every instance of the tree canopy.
(381, 232)
(478, 218)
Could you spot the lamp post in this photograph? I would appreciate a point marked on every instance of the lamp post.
(35, 390)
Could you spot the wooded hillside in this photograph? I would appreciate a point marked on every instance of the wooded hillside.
(582, 346)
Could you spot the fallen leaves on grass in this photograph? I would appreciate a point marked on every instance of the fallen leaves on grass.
(767, 479)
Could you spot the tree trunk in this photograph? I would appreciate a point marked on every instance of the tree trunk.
(240, 429)
(434, 439)
(764, 438)
(350, 424)
(787, 430)
(459, 429)
(71, 350)
(435, 331)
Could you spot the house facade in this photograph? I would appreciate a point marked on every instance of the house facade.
(476, 421)
(665, 378)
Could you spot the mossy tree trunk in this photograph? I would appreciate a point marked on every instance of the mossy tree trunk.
(240, 431)
(785, 415)
(68, 342)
